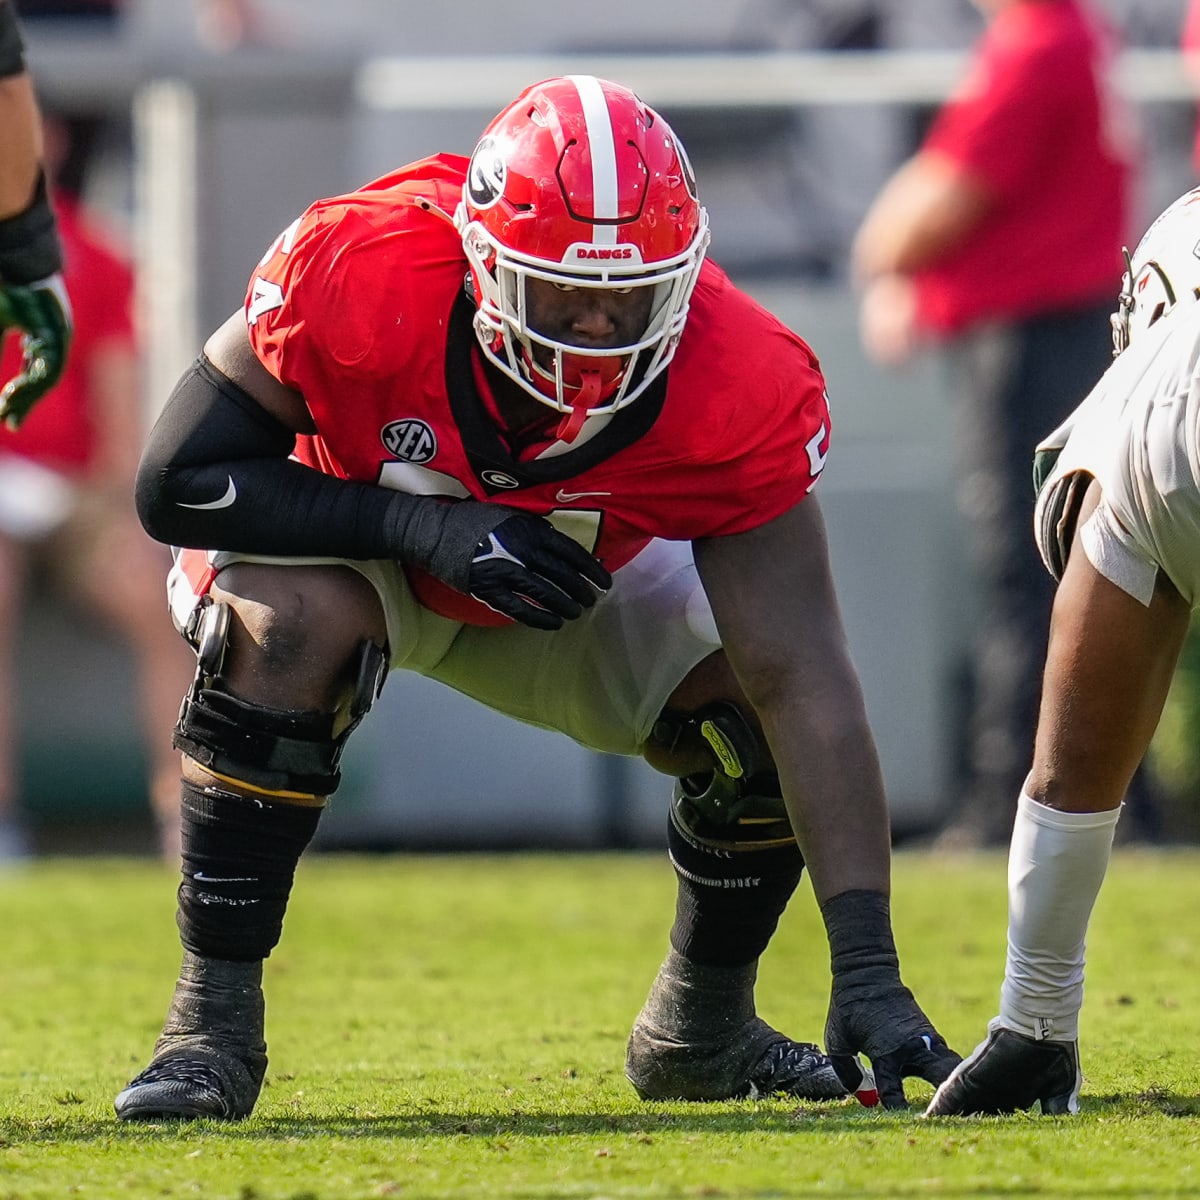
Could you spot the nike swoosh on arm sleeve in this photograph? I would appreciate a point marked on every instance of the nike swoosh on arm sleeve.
(215, 473)
(223, 501)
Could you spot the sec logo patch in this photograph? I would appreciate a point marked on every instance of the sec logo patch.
(409, 440)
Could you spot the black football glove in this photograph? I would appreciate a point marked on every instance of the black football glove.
(43, 314)
(870, 1010)
(514, 562)
(34, 301)
(528, 570)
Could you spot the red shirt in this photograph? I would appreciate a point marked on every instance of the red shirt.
(1039, 124)
(60, 432)
(360, 307)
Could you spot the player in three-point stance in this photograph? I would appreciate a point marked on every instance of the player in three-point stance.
(1118, 524)
(502, 423)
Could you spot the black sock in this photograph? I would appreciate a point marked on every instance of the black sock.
(239, 860)
(729, 902)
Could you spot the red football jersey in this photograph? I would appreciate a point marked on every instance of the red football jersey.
(360, 306)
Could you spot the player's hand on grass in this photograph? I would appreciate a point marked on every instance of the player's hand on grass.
(871, 1012)
(871, 1027)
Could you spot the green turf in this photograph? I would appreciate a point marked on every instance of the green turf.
(455, 1027)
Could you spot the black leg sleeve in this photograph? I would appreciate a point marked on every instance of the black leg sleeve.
(239, 860)
(729, 902)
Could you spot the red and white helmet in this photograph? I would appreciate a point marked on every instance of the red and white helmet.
(1163, 271)
(580, 183)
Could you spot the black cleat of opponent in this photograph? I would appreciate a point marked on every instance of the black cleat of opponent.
(211, 1057)
(1010, 1071)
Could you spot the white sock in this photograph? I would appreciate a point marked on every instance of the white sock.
(1056, 864)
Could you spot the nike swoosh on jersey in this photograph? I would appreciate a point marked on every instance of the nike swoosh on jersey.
(223, 502)
(200, 877)
(566, 497)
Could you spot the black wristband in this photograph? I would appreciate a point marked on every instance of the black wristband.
(12, 48)
(440, 536)
(870, 1009)
(859, 925)
(29, 245)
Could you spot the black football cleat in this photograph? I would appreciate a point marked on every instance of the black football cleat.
(698, 1038)
(191, 1081)
(754, 1061)
(796, 1069)
(211, 1057)
(1010, 1072)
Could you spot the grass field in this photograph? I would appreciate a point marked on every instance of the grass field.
(455, 1027)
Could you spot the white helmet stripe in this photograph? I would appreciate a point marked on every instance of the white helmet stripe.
(604, 155)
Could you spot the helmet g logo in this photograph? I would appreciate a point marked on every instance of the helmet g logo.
(487, 174)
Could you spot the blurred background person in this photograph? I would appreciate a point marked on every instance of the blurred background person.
(1189, 44)
(66, 506)
(998, 242)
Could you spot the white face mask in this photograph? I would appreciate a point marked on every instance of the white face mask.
(501, 324)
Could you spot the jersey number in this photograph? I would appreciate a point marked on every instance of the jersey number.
(265, 295)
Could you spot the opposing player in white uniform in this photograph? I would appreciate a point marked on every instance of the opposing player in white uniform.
(1118, 523)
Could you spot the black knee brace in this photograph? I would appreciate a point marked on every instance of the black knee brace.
(738, 804)
(730, 841)
(274, 750)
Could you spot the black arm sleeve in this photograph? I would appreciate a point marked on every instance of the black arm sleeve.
(12, 48)
(215, 473)
(29, 246)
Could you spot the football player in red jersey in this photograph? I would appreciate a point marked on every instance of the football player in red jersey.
(500, 422)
